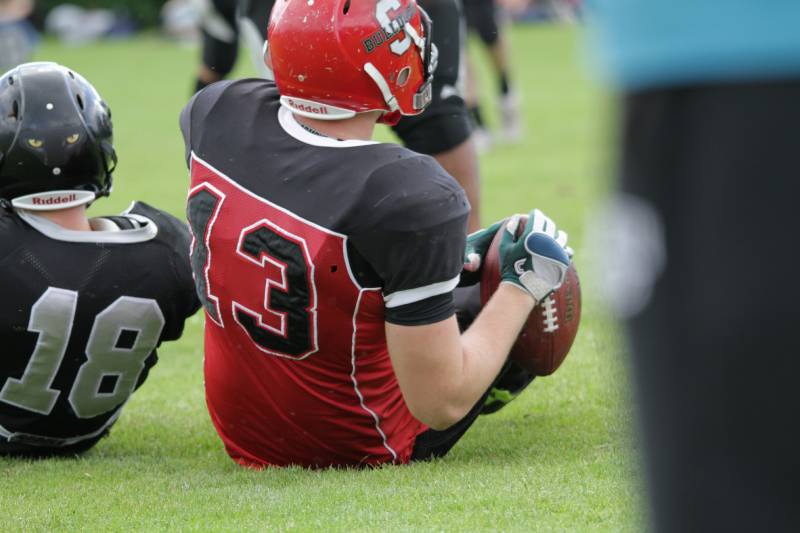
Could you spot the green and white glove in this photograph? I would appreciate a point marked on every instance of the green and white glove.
(477, 245)
(538, 260)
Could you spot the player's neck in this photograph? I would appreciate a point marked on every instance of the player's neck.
(73, 218)
(360, 127)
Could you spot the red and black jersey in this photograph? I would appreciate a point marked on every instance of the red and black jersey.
(303, 247)
(81, 317)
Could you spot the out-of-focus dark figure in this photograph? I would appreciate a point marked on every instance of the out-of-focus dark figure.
(488, 20)
(709, 168)
(17, 36)
(223, 24)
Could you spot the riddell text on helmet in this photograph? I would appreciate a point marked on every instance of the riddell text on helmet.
(307, 108)
(54, 200)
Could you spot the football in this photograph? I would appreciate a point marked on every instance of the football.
(547, 336)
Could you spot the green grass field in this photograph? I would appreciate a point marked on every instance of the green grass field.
(560, 458)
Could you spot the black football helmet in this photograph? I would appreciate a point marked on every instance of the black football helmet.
(55, 135)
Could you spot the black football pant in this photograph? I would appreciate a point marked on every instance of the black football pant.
(218, 55)
(445, 123)
(482, 17)
(716, 351)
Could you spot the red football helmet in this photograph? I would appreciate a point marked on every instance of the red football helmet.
(335, 58)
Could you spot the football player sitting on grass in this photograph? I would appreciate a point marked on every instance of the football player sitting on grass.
(328, 263)
(86, 302)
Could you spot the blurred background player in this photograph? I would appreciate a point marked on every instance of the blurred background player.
(17, 36)
(219, 32)
(327, 263)
(705, 241)
(223, 24)
(86, 302)
(443, 131)
(488, 21)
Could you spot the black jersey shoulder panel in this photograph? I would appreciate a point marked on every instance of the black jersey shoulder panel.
(403, 213)
(175, 235)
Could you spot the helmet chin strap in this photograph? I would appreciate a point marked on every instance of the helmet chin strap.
(419, 41)
(270, 75)
(380, 81)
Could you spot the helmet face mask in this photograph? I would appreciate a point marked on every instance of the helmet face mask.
(335, 58)
(56, 138)
(430, 60)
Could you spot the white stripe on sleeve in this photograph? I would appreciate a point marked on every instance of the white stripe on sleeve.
(396, 299)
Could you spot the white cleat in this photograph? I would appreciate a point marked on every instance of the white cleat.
(511, 130)
(482, 140)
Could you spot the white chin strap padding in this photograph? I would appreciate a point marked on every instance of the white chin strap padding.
(380, 81)
(419, 41)
(267, 70)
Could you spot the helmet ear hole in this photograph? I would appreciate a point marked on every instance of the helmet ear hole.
(402, 76)
(14, 110)
(80, 101)
(346, 7)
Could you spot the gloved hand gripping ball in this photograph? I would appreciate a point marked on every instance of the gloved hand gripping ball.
(533, 264)
(477, 245)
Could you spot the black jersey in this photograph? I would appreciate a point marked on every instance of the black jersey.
(81, 317)
(303, 247)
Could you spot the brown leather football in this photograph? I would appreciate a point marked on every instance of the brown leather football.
(547, 336)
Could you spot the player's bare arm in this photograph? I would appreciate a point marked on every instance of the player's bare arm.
(442, 373)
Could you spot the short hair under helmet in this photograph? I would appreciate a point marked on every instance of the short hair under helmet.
(56, 140)
(335, 58)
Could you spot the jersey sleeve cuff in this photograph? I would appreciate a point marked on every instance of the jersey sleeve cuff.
(427, 311)
(409, 296)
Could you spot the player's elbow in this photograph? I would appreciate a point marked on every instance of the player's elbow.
(440, 415)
